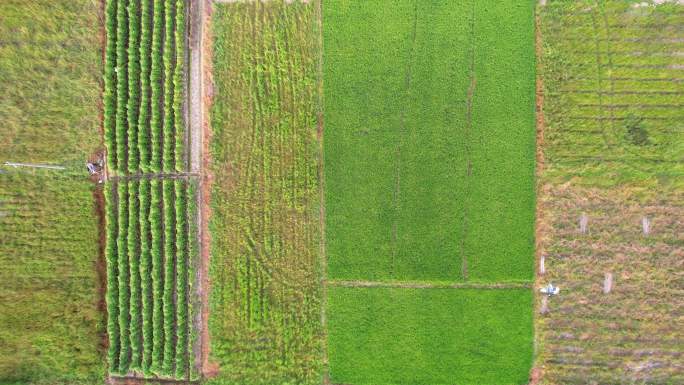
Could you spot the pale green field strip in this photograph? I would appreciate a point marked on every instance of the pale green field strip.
(429, 140)
(51, 323)
(265, 299)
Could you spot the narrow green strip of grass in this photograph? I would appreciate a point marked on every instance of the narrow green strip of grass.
(112, 258)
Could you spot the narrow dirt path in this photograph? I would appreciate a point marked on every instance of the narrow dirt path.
(198, 127)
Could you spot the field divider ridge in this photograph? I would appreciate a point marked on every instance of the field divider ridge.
(429, 285)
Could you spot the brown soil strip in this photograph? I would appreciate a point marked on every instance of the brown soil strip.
(429, 285)
(199, 165)
(203, 103)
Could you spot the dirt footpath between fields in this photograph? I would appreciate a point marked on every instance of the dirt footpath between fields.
(199, 100)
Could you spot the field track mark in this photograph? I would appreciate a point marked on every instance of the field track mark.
(402, 136)
(468, 128)
(430, 285)
(323, 257)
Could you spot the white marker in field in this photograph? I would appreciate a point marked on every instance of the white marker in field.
(550, 290)
(607, 283)
(584, 223)
(645, 225)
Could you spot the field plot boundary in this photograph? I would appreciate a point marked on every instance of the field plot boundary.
(429, 285)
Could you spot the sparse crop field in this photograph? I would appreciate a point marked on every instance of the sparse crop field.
(614, 140)
(150, 204)
(429, 144)
(51, 325)
(265, 301)
(429, 179)
(614, 91)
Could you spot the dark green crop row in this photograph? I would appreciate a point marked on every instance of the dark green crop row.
(144, 79)
(145, 63)
(121, 122)
(132, 108)
(156, 84)
(178, 89)
(193, 261)
(169, 266)
(169, 58)
(148, 252)
(135, 319)
(181, 279)
(146, 275)
(157, 275)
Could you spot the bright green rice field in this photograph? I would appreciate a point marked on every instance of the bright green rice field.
(429, 152)
(429, 140)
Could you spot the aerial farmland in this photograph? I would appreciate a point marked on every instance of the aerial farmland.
(341, 192)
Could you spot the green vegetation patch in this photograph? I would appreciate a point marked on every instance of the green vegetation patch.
(265, 303)
(51, 326)
(50, 70)
(148, 277)
(384, 336)
(429, 140)
(144, 86)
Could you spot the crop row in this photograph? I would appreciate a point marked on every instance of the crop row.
(149, 276)
(144, 86)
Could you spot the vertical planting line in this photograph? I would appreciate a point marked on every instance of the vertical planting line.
(323, 257)
(467, 131)
(179, 87)
(156, 86)
(109, 121)
(124, 289)
(133, 83)
(157, 275)
(122, 84)
(111, 255)
(181, 279)
(146, 275)
(169, 276)
(168, 164)
(144, 111)
(134, 263)
(193, 258)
